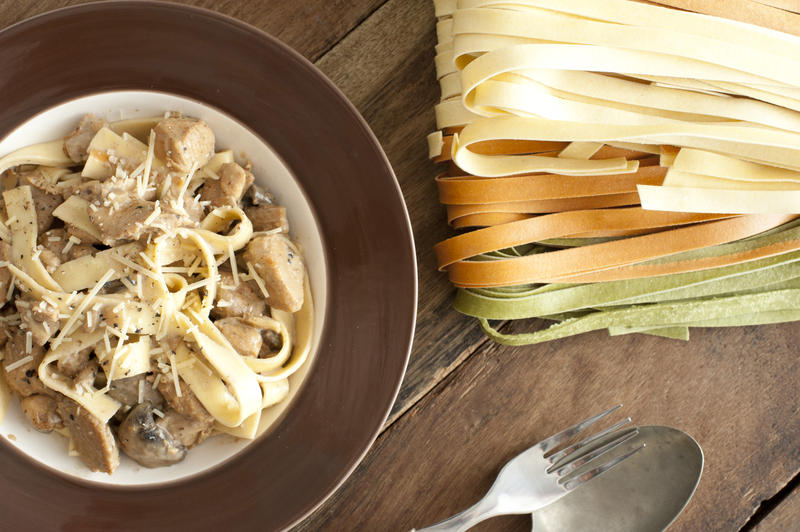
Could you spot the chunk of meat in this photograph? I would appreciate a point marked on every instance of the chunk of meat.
(72, 364)
(126, 391)
(229, 188)
(49, 260)
(193, 423)
(41, 412)
(281, 268)
(44, 202)
(39, 317)
(267, 217)
(5, 275)
(243, 300)
(189, 432)
(123, 222)
(244, 338)
(55, 240)
(85, 378)
(92, 438)
(24, 380)
(183, 143)
(177, 197)
(76, 143)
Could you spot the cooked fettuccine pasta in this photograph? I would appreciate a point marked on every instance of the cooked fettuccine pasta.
(151, 293)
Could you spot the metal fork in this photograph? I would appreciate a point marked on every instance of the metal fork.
(537, 477)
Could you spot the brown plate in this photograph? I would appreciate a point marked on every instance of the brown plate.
(371, 300)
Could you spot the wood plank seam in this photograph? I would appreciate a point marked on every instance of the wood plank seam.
(355, 26)
(771, 504)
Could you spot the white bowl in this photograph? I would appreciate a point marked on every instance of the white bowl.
(269, 171)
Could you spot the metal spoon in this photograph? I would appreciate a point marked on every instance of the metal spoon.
(645, 493)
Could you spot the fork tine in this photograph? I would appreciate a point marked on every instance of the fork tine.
(574, 464)
(557, 439)
(555, 457)
(589, 475)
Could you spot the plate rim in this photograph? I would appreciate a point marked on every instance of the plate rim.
(376, 147)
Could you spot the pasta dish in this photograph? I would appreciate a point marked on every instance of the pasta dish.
(151, 294)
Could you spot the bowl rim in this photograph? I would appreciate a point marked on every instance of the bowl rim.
(267, 44)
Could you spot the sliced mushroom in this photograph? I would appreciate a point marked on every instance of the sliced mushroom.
(147, 443)
(126, 391)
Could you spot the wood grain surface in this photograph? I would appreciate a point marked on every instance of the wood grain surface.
(467, 405)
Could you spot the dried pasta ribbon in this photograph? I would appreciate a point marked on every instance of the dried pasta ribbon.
(564, 224)
(547, 267)
(466, 190)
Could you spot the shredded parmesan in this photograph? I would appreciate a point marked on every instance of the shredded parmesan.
(10, 288)
(85, 303)
(153, 215)
(106, 340)
(139, 286)
(28, 341)
(147, 260)
(127, 284)
(259, 281)
(148, 162)
(133, 266)
(174, 368)
(5, 233)
(19, 363)
(156, 411)
(70, 297)
(234, 268)
(156, 381)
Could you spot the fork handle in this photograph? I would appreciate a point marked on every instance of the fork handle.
(480, 511)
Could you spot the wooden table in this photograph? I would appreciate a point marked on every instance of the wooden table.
(467, 405)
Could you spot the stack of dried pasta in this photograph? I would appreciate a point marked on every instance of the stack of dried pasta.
(617, 165)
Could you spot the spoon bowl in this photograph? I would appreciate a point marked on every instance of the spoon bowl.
(644, 494)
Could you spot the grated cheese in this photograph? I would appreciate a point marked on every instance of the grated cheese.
(5, 232)
(107, 340)
(71, 297)
(234, 267)
(157, 412)
(156, 381)
(133, 266)
(148, 162)
(147, 260)
(153, 215)
(167, 185)
(127, 284)
(19, 363)
(85, 303)
(139, 286)
(175, 374)
(11, 220)
(259, 281)
(28, 341)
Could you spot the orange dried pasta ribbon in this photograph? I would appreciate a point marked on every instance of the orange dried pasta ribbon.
(558, 225)
(468, 190)
(640, 271)
(518, 210)
(546, 267)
